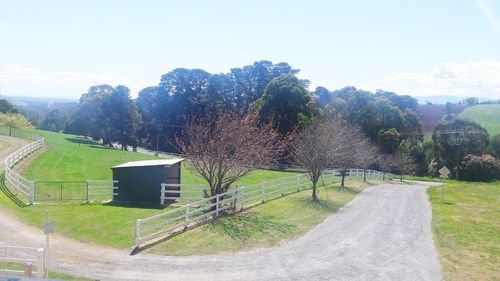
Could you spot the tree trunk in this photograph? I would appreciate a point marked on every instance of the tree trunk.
(342, 182)
(364, 175)
(10, 131)
(314, 195)
(401, 177)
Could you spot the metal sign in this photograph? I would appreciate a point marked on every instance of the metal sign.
(444, 172)
(48, 228)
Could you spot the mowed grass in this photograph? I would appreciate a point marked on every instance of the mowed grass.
(104, 223)
(263, 226)
(466, 229)
(486, 115)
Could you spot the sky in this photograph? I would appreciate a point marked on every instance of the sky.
(418, 47)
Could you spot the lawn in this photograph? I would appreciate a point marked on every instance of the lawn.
(263, 226)
(69, 159)
(466, 230)
(486, 115)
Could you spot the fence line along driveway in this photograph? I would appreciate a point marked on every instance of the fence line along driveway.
(383, 234)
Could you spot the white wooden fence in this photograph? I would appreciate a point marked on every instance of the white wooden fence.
(172, 221)
(161, 225)
(97, 188)
(15, 180)
(182, 192)
(28, 257)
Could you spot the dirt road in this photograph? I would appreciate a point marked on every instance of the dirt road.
(383, 234)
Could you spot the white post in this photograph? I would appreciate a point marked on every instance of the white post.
(186, 217)
(32, 193)
(138, 233)
(47, 248)
(217, 205)
(40, 269)
(162, 195)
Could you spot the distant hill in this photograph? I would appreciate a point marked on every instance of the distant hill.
(486, 115)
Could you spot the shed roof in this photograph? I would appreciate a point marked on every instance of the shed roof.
(146, 163)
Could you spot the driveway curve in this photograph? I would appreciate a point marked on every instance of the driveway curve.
(383, 234)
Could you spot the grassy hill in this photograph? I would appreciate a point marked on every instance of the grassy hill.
(486, 115)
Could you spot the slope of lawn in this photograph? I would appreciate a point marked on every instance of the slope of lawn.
(67, 158)
(266, 225)
(466, 230)
(486, 115)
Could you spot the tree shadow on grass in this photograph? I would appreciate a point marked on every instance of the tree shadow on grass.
(81, 140)
(245, 226)
(8, 193)
(321, 204)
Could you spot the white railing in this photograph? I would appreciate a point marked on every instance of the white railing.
(21, 184)
(161, 225)
(181, 218)
(182, 192)
(96, 188)
(28, 257)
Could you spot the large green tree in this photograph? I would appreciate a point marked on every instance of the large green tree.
(286, 104)
(454, 140)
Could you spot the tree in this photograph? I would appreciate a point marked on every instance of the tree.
(479, 168)
(403, 163)
(55, 120)
(432, 169)
(286, 104)
(495, 145)
(348, 145)
(471, 101)
(7, 107)
(14, 121)
(311, 150)
(224, 148)
(454, 140)
(123, 117)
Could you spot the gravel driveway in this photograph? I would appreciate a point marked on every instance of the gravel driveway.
(383, 234)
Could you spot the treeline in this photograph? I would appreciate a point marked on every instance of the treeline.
(271, 91)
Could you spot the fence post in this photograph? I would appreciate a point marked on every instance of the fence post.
(87, 191)
(40, 268)
(162, 194)
(138, 233)
(217, 205)
(186, 217)
(32, 193)
(263, 192)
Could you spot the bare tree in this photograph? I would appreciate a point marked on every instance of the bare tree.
(403, 163)
(311, 150)
(369, 157)
(225, 148)
(349, 147)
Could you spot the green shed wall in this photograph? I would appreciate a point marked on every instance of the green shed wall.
(143, 184)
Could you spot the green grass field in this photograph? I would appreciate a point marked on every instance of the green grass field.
(466, 229)
(104, 223)
(486, 115)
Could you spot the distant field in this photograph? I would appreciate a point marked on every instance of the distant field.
(431, 115)
(466, 229)
(486, 115)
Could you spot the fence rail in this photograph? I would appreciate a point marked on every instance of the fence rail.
(181, 218)
(24, 256)
(100, 188)
(15, 180)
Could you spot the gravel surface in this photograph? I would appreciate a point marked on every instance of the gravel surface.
(383, 234)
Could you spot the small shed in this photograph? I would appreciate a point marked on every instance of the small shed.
(140, 181)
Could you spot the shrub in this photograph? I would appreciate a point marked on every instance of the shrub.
(479, 168)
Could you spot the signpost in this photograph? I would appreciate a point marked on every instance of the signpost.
(48, 228)
(444, 172)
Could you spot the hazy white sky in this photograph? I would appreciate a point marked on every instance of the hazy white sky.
(416, 47)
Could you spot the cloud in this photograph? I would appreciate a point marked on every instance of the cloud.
(478, 79)
(21, 80)
(489, 14)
